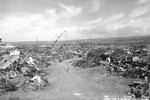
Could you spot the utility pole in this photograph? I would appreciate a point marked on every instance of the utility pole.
(37, 43)
(65, 37)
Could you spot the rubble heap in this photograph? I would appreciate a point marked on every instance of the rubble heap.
(93, 58)
(131, 62)
(19, 71)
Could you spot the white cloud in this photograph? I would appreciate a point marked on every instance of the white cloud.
(118, 24)
(114, 17)
(139, 12)
(98, 20)
(70, 11)
(105, 20)
(26, 26)
(96, 5)
(64, 16)
(138, 26)
(107, 24)
(143, 1)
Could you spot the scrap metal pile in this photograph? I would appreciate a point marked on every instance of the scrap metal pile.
(140, 89)
(131, 62)
(92, 59)
(124, 62)
(19, 71)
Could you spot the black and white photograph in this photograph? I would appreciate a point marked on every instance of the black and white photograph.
(74, 49)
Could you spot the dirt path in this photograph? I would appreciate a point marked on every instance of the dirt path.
(66, 84)
(71, 85)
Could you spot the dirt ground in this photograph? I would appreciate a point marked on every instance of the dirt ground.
(69, 83)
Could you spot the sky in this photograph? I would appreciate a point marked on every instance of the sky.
(24, 20)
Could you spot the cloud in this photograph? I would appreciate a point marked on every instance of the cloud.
(105, 20)
(143, 1)
(104, 24)
(129, 27)
(98, 20)
(70, 11)
(139, 12)
(25, 26)
(23, 19)
(118, 25)
(96, 6)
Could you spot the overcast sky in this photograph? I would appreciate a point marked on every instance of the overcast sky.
(23, 20)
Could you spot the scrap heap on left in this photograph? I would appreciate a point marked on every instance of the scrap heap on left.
(18, 71)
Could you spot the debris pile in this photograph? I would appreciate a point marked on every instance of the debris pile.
(93, 58)
(129, 62)
(19, 71)
(124, 62)
(140, 89)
